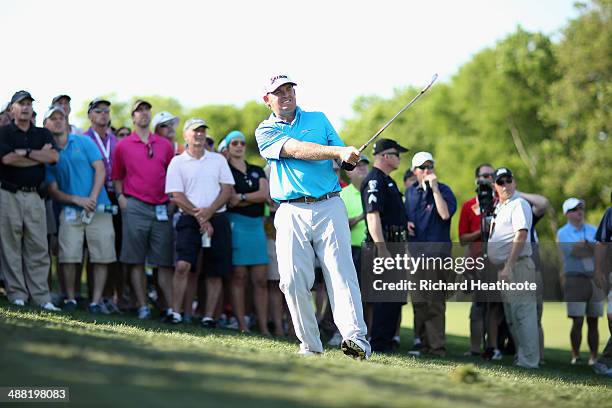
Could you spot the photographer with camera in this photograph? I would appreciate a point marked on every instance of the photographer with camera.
(474, 220)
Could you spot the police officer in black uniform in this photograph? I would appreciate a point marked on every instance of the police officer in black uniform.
(386, 222)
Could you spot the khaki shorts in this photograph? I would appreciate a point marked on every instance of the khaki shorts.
(583, 297)
(100, 236)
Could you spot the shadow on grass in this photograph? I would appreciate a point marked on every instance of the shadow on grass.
(109, 369)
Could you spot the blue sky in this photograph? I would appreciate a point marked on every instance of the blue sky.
(204, 52)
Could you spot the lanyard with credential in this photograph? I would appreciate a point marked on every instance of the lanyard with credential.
(105, 149)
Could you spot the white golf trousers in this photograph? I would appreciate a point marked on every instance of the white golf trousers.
(301, 231)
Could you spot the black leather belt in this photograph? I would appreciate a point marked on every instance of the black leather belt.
(307, 199)
(14, 188)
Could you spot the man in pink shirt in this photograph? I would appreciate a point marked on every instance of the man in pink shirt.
(139, 174)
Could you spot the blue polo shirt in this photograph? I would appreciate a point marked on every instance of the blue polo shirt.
(421, 210)
(74, 173)
(567, 237)
(293, 178)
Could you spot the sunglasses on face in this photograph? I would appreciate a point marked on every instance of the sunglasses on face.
(238, 143)
(426, 167)
(123, 134)
(503, 181)
(150, 151)
(579, 208)
(486, 175)
(164, 125)
(101, 110)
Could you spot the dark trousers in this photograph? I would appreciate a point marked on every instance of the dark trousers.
(386, 316)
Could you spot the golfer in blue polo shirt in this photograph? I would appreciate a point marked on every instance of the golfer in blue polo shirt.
(299, 147)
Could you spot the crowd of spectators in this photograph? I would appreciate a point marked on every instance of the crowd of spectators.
(188, 231)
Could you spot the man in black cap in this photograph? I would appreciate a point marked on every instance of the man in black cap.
(63, 101)
(24, 149)
(386, 222)
(510, 252)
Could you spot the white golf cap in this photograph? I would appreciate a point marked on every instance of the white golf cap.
(194, 123)
(571, 203)
(275, 81)
(164, 117)
(4, 107)
(52, 110)
(222, 145)
(420, 158)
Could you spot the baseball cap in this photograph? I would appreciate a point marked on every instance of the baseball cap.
(164, 117)
(501, 172)
(364, 158)
(52, 109)
(21, 95)
(222, 145)
(275, 81)
(409, 173)
(571, 203)
(194, 123)
(58, 97)
(95, 102)
(384, 144)
(137, 104)
(420, 158)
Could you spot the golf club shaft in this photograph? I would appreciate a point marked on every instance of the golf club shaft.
(349, 166)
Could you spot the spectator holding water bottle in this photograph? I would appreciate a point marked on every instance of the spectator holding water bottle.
(77, 181)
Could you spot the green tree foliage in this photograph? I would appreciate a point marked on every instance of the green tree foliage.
(540, 108)
(578, 159)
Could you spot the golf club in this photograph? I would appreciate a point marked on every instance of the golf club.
(349, 166)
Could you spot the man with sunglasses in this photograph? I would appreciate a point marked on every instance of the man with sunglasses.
(164, 125)
(101, 134)
(470, 233)
(311, 219)
(385, 223)
(510, 251)
(576, 241)
(429, 207)
(139, 169)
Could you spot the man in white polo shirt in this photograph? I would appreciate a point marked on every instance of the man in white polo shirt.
(200, 183)
(509, 250)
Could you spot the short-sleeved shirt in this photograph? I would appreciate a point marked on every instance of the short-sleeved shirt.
(510, 217)
(248, 183)
(567, 237)
(293, 178)
(199, 179)
(142, 167)
(604, 231)
(74, 173)
(470, 220)
(12, 138)
(420, 207)
(380, 193)
(354, 208)
(106, 147)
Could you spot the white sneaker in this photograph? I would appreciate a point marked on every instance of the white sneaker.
(233, 323)
(144, 313)
(176, 318)
(497, 355)
(335, 340)
(19, 302)
(50, 307)
(308, 353)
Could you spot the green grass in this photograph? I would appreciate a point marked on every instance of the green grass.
(108, 360)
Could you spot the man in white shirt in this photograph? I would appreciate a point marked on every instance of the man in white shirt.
(509, 250)
(200, 183)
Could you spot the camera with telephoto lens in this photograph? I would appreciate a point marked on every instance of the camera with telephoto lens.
(486, 199)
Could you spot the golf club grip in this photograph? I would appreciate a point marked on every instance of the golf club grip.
(347, 166)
